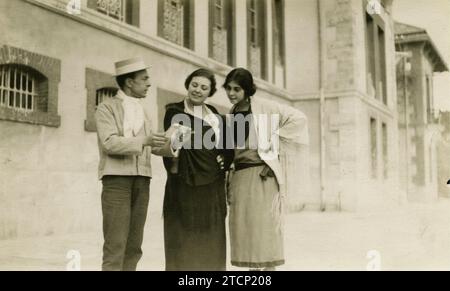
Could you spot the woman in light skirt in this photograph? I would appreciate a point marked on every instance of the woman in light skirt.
(255, 190)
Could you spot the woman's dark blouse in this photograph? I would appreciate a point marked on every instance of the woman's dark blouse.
(198, 166)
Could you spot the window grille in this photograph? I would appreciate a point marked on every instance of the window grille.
(17, 88)
(173, 21)
(256, 29)
(219, 14)
(113, 8)
(253, 23)
(103, 94)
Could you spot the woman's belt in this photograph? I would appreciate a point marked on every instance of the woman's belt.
(243, 166)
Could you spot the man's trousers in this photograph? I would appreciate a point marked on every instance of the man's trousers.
(124, 206)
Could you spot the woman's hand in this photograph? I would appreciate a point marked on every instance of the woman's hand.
(221, 161)
(228, 176)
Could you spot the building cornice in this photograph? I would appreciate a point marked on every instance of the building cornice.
(373, 103)
(408, 34)
(135, 35)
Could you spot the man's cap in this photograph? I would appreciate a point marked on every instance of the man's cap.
(130, 66)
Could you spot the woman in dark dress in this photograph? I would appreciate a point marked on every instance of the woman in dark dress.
(195, 203)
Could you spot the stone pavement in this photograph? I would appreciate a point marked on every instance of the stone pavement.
(411, 237)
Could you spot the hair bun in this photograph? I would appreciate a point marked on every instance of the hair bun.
(252, 90)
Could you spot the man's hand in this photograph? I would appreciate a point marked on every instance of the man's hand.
(156, 140)
(180, 136)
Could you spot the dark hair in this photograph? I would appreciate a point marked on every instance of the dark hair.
(202, 73)
(122, 78)
(244, 79)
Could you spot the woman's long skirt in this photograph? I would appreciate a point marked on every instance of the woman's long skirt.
(256, 235)
(194, 226)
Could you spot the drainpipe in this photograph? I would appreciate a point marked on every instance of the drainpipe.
(406, 68)
(405, 94)
(322, 150)
(321, 111)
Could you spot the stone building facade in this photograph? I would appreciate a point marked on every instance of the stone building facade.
(345, 82)
(334, 60)
(419, 129)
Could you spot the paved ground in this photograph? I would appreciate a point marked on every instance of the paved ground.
(411, 237)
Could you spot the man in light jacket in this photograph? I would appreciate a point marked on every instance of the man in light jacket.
(125, 139)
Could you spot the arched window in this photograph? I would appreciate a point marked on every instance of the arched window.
(29, 87)
(22, 88)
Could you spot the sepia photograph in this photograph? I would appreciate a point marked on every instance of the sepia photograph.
(224, 135)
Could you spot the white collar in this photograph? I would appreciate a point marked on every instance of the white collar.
(209, 118)
(188, 110)
(133, 114)
(123, 96)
